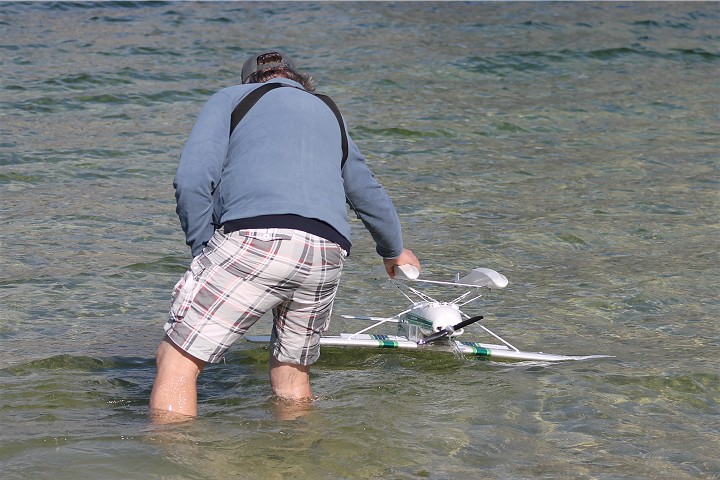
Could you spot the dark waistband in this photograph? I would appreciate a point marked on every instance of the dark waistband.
(296, 222)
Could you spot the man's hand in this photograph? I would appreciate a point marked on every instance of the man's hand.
(407, 257)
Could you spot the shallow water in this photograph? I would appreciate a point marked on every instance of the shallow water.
(570, 146)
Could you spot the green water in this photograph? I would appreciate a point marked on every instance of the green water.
(571, 146)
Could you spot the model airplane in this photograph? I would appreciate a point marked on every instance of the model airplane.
(435, 325)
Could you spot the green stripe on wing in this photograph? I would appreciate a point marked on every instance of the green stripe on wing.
(477, 350)
(384, 342)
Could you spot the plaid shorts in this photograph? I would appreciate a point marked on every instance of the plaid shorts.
(242, 275)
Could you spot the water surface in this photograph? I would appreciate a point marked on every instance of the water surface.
(571, 146)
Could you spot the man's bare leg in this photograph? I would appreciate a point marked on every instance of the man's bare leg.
(175, 387)
(290, 381)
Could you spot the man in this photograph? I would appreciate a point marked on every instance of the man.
(261, 191)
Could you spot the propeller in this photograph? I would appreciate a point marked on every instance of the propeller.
(448, 330)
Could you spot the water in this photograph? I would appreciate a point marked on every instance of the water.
(570, 146)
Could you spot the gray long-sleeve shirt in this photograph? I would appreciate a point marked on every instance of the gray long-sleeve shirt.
(282, 158)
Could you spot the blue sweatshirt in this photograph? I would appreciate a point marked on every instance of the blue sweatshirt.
(283, 158)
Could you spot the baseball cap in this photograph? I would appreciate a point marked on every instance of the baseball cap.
(251, 65)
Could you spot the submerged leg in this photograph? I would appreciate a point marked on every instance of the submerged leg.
(175, 387)
(290, 381)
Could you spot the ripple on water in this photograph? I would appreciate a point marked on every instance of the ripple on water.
(571, 146)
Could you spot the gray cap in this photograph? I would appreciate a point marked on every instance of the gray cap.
(251, 64)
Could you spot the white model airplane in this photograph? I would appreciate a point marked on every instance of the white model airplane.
(434, 325)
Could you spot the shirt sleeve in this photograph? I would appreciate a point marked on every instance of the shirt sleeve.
(372, 204)
(199, 170)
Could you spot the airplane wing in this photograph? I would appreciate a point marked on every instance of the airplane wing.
(494, 352)
(484, 277)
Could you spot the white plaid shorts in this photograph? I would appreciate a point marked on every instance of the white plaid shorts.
(242, 275)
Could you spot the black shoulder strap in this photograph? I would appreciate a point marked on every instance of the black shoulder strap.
(343, 134)
(251, 99)
(247, 103)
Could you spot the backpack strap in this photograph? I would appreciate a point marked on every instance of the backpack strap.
(248, 101)
(252, 98)
(343, 134)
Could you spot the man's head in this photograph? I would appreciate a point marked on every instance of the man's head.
(265, 66)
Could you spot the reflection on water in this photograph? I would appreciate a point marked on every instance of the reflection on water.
(570, 146)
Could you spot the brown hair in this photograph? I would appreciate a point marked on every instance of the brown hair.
(279, 71)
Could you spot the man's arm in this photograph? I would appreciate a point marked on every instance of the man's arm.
(199, 170)
(375, 208)
(372, 204)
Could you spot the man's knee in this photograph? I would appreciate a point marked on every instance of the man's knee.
(171, 357)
